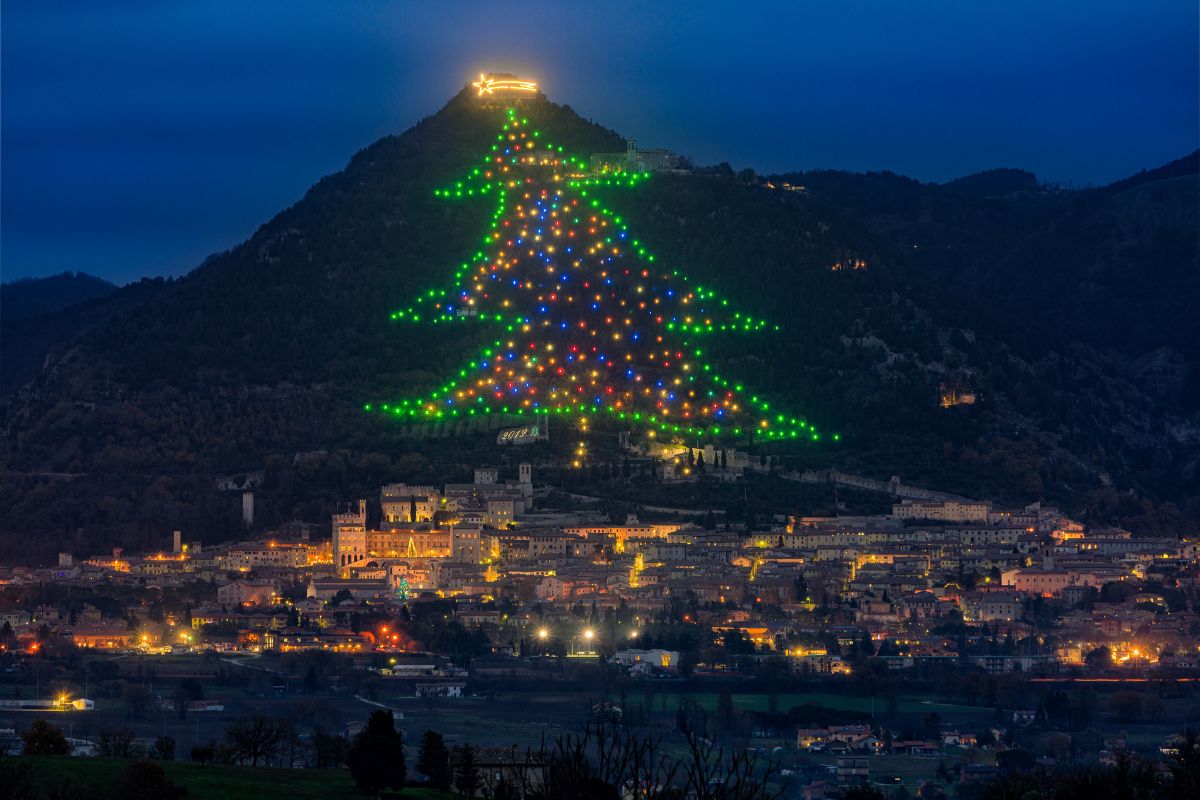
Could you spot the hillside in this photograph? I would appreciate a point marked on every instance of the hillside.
(1069, 313)
(26, 339)
(35, 313)
(33, 297)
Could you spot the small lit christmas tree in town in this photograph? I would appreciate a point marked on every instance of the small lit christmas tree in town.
(587, 322)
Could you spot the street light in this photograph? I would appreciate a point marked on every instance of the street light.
(543, 633)
(589, 634)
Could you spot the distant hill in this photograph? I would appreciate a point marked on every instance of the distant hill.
(26, 342)
(993, 183)
(38, 313)
(33, 297)
(1069, 314)
(1187, 167)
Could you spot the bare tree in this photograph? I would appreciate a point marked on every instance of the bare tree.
(710, 775)
(254, 739)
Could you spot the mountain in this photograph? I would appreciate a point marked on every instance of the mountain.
(36, 313)
(1069, 315)
(33, 297)
(48, 311)
(993, 183)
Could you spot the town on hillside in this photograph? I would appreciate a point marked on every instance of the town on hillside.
(916, 646)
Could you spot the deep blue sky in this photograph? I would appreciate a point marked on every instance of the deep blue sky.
(139, 137)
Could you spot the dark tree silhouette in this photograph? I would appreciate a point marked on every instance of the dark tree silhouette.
(43, 739)
(467, 779)
(433, 760)
(376, 758)
(147, 780)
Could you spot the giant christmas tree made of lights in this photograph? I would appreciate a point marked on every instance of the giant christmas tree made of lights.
(588, 324)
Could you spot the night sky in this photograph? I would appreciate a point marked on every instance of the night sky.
(139, 137)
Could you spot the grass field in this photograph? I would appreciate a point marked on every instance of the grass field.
(522, 721)
(217, 782)
(904, 705)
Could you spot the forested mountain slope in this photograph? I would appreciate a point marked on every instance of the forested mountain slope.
(1071, 315)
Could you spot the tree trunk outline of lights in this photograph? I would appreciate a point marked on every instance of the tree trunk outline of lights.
(588, 324)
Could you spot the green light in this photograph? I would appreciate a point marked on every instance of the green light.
(471, 278)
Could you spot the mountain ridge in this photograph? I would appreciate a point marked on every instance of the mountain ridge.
(271, 347)
(31, 297)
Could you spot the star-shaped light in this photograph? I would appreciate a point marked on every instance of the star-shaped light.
(487, 85)
(484, 85)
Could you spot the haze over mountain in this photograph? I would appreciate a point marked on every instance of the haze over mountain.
(1070, 315)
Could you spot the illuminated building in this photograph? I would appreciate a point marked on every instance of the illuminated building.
(487, 486)
(634, 160)
(992, 606)
(856, 264)
(280, 555)
(337, 640)
(356, 546)
(350, 535)
(632, 529)
(1048, 581)
(102, 637)
(663, 659)
(953, 397)
(943, 510)
(403, 503)
(259, 593)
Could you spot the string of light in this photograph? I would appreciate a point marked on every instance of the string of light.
(588, 323)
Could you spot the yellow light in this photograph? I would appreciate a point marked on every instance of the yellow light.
(589, 634)
(488, 85)
(543, 633)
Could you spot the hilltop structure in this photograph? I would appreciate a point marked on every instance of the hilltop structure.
(635, 160)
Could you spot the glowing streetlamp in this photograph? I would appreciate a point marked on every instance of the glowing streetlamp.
(543, 634)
